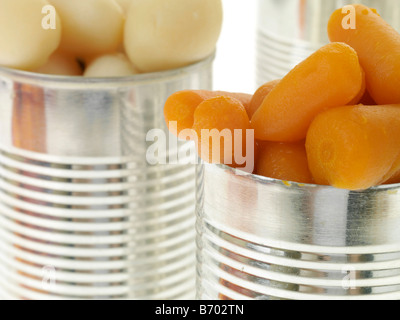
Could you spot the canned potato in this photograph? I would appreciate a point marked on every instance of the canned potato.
(90, 27)
(161, 35)
(110, 65)
(21, 28)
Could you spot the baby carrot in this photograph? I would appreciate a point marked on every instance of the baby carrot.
(362, 92)
(378, 48)
(215, 123)
(244, 98)
(331, 77)
(180, 106)
(394, 179)
(259, 96)
(355, 147)
(283, 161)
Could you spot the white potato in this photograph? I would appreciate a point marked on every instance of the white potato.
(61, 63)
(124, 4)
(110, 65)
(24, 42)
(91, 27)
(162, 34)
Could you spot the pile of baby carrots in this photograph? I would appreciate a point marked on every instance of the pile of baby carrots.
(333, 120)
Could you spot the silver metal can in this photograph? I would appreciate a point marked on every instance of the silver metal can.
(265, 239)
(83, 215)
(291, 30)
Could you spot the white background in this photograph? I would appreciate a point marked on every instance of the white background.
(234, 67)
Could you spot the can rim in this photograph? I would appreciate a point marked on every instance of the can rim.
(137, 79)
(300, 186)
(259, 210)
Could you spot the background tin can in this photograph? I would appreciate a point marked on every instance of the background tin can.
(265, 239)
(83, 215)
(291, 30)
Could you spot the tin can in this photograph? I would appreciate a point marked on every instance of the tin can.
(83, 214)
(291, 30)
(265, 239)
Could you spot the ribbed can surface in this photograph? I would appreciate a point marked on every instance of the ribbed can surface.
(264, 239)
(83, 214)
(291, 30)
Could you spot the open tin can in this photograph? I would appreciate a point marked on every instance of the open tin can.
(83, 214)
(266, 239)
(291, 30)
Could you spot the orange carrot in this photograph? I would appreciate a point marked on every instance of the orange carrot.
(331, 77)
(260, 95)
(394, 179)
(220, 117)
(244, 98)
(180, 106)
(362, 92)
(378, 47)
(283, 161)
(355, 147)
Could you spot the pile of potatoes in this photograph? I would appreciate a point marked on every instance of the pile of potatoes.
(106, 38)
